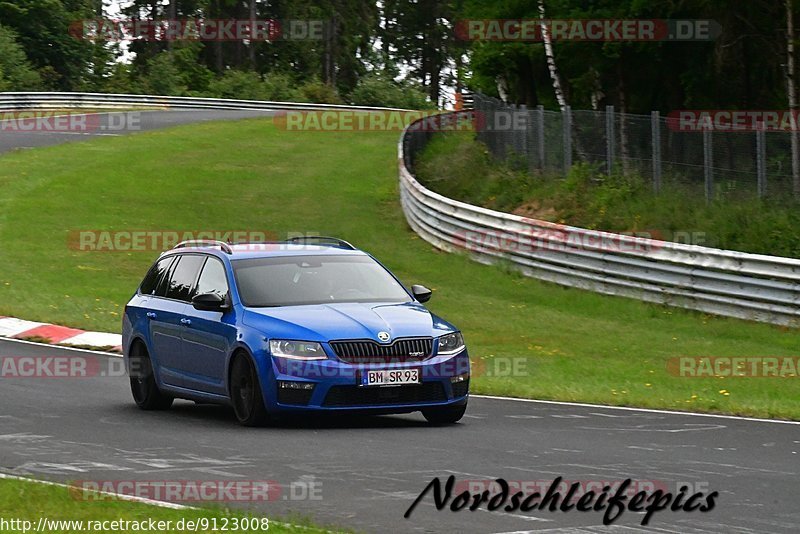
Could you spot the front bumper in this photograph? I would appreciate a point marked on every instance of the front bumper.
(332, 385)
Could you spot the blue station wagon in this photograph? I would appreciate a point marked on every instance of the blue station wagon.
(306, 325)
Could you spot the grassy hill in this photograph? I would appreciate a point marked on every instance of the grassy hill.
(562, 344)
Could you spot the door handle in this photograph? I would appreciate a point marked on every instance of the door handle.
(186, 321)
(151, 315)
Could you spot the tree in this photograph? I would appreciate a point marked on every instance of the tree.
(420, 34)
(16, 73)
(551, 59)
(42, 28)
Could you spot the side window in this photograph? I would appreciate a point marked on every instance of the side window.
(154, 275)
(161, 288)
(212, 279)
(184, 275)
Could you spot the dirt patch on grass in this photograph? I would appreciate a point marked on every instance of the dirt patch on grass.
(533, 209)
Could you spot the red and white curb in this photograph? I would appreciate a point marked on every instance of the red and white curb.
(58, 335)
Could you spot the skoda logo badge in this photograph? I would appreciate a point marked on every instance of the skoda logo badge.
(384, 336)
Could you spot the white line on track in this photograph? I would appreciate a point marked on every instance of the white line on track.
(494, 397)
(645, 410)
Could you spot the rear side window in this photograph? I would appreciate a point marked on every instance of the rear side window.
(161, 288)
(155, 274)
(184, 275)
(212, 279)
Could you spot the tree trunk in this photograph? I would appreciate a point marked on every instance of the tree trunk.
(172, 14)
(329, 57)
(435, 84)
(577, 146)
(252, 47)
(792, 96)
(551, 60)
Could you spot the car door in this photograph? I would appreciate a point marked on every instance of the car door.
(168, 320)
(208, 335)
(164, 327)
(138, 312)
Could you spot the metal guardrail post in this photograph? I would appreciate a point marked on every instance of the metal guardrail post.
(655, 126)
(761, 162)
(708, 165)
(609, 139)
(566, 115)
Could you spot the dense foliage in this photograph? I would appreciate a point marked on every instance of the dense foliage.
(404, 52)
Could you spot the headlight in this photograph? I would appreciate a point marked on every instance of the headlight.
(450, 344)
(297, 350)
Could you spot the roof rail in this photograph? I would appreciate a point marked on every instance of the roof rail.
(204, 243)
(322, 240)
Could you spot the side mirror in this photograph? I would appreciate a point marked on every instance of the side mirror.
(421, 293)
(209, 302)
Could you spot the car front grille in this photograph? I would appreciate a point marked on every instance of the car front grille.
(376, 396)
(367, 351)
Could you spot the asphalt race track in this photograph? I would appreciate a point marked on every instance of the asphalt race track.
(110, 124)
(364, 472)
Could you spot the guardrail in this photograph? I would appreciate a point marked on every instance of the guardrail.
(17, 101)
(735, 284)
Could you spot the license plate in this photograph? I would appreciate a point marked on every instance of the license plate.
(394, 377)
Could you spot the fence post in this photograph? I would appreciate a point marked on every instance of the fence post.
(508, 135)
(708, 164)
(491, 117)
(609, 139)
(567, 120)
(540, 132)
(500, 135)
(479, 111)
(519, 126)
(655, 126)
(761, 161)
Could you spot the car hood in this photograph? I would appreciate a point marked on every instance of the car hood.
(327, 322)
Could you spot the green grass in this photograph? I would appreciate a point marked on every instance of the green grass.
(29, 501)
(577, 346)
(457, 166)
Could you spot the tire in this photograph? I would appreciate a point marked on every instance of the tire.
(446, 415)
(245, 388)
(143, 381)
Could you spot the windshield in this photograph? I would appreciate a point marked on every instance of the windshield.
(296, 280)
